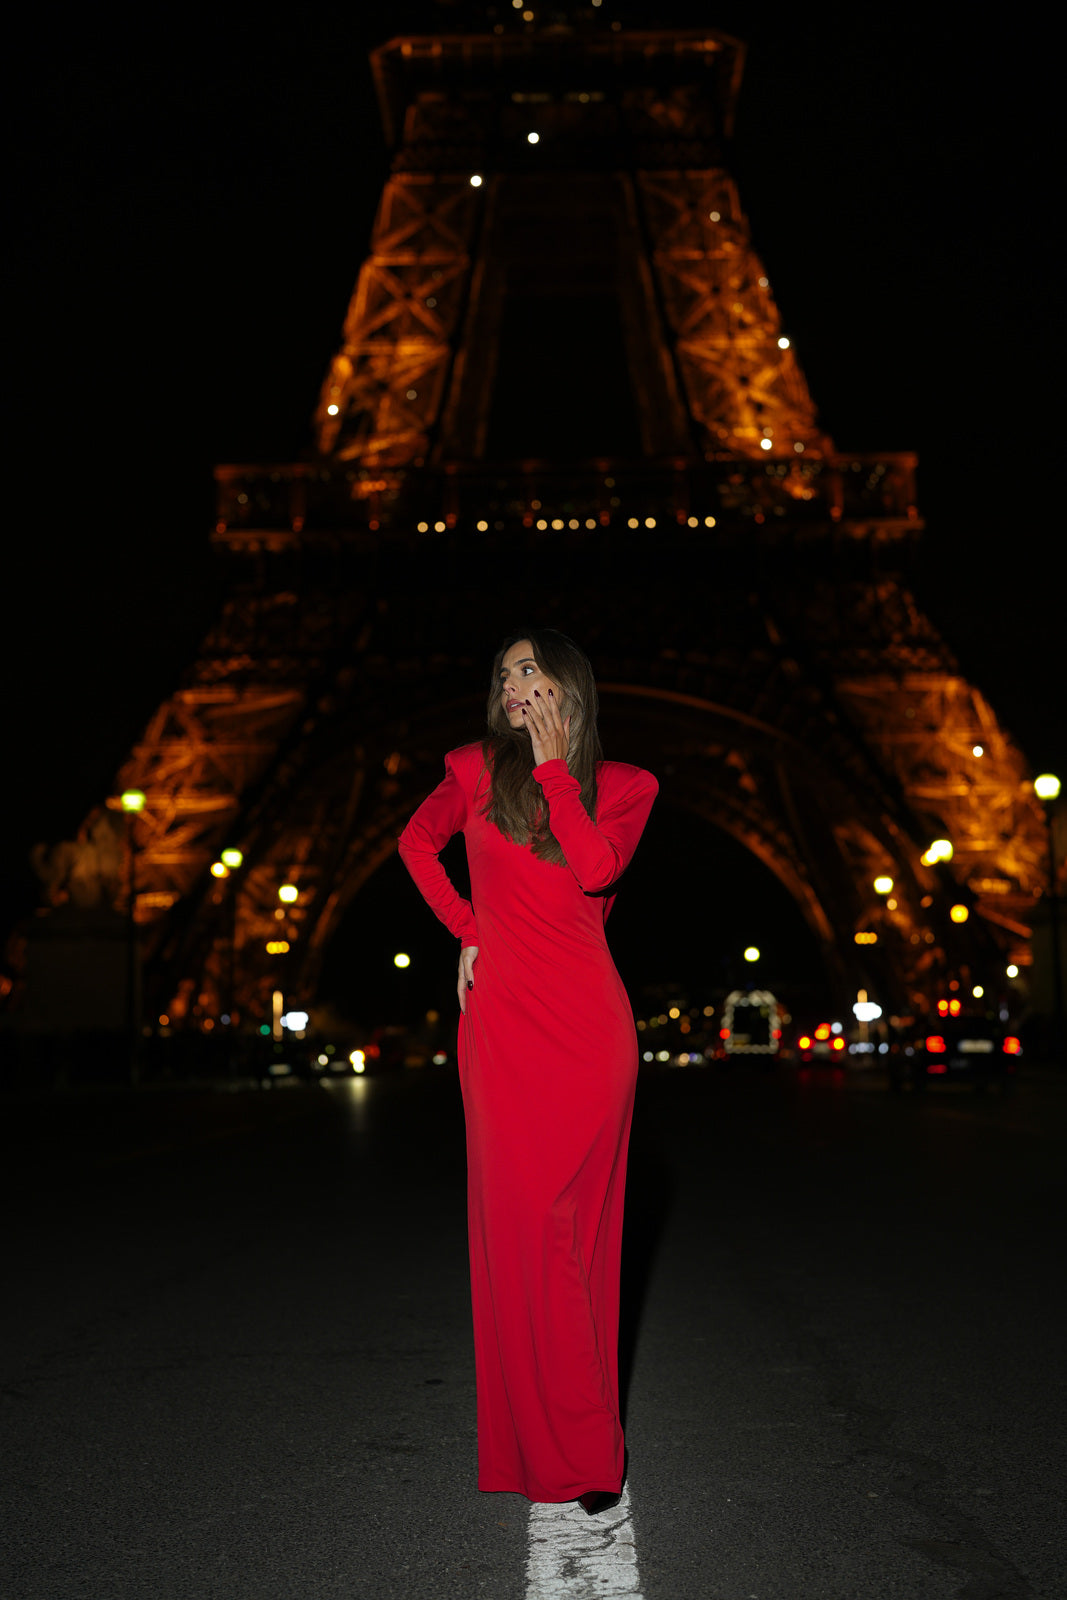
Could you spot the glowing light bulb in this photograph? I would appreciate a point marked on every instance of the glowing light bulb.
(288, 893)
(883, 885)
(401, 960)
(978, 750)
(765, 444)
(476, 180)
(1012, 971)
(533, 138)
(332, 410)
(959, 913)
(751, 954)
(783, 343)
(1046, 786)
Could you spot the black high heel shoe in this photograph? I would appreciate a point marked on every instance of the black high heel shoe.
(595, 1500)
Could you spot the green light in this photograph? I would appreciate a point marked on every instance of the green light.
(264, 1027)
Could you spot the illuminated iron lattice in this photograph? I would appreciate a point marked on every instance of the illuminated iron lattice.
(739, 585)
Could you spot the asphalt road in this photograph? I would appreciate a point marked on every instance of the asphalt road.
(237, 1356)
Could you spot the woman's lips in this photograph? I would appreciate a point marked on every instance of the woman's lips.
(514, 705)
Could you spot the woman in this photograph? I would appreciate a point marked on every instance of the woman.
(547, 1062)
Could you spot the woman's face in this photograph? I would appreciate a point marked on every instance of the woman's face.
(519, 677)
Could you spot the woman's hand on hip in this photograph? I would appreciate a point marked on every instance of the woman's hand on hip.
(467, 957)
(549, 732)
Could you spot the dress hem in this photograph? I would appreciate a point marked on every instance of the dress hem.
(590, 1487)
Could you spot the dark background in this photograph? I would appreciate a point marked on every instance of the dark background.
(194, 199)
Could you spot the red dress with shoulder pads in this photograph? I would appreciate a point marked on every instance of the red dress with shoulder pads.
(548, 1064)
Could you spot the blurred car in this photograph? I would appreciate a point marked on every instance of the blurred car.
(955, 1049)
(822, 1045)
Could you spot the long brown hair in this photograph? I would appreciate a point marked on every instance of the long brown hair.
(515, 802)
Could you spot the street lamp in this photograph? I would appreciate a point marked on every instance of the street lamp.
(132, 802)
(229, 861)
(1047, 789)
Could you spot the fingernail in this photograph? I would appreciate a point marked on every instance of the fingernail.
(470, 984)
(537, 694)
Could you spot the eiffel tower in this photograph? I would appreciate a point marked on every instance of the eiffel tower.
(563, 364)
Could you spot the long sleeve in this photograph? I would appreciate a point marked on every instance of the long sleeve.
(442, 814)
(597, 852)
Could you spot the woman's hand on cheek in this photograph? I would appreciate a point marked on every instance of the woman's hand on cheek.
(549, 732)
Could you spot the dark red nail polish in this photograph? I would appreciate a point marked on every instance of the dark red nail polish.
(470, 984)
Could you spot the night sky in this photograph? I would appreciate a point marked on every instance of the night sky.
(192, 204)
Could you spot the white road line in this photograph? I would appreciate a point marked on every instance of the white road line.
(577, 1557)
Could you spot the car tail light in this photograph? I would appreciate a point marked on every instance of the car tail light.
(805, 1043)
(953, 1008)
(724, 1033)
(839, 1044)
(937, 1067)
(822, 1031)
(935, 1044)
(942, 1008)
(1011, 1046)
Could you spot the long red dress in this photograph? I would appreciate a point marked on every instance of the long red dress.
(548, 1065)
